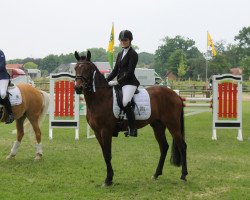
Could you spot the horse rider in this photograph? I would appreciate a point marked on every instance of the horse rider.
(4, 82)
(124, 70)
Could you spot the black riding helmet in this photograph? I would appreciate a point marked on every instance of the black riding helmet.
(125, 34)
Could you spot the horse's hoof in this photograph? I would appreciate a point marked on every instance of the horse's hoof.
(183, 178)
(10, 157)
(154, 178)
(107, 184)
(38, 156)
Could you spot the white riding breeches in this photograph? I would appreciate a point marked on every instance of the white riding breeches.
(128, 92)
(3, 88)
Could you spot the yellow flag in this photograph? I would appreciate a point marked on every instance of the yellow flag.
(211, 44)
(111, 47)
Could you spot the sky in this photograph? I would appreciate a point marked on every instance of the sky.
(37, 28)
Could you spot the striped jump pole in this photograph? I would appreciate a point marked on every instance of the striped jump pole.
(227, 103)
(64, 103)
(193, 99)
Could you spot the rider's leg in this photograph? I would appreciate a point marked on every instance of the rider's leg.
(3, 88)
(10, 117)
(128, 93)
(5, 99)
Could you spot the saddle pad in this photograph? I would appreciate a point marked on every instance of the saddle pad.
(142, 100)
(15, 95)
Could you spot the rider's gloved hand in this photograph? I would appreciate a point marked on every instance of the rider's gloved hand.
(112, 83)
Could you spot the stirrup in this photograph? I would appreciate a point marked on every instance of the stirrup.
(126, 134)
(10, 119)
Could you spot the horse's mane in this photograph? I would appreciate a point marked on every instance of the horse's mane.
(99, 73)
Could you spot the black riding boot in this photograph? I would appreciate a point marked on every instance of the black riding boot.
(131, 120)
(10, 117)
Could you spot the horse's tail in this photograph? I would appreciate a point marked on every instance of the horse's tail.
(46, 100)
(175, 153)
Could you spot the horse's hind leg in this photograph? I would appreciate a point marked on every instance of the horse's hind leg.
(159, 131)
(20, 133)
(179, 151)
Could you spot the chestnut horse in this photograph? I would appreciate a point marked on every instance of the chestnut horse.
(166, 112)
(34, 107)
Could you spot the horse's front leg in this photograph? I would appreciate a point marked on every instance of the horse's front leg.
(105, 140)
(39, 150)
(20, 133)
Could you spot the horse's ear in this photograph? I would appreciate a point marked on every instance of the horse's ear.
(77, 56)
(88, 55)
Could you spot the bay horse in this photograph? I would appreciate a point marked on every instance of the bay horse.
(166, 112)
(34, 107)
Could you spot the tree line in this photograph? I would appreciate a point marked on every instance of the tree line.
(177, 54)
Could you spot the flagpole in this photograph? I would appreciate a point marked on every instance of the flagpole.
(207, 57)
(206, 70)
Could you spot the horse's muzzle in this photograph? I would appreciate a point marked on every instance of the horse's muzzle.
(78, 89)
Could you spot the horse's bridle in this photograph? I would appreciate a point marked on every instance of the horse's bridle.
(87, 81)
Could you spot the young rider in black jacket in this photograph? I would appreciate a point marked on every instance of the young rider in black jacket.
(124, 70)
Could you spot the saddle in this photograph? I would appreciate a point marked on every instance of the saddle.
(14, 95)
(140, 104)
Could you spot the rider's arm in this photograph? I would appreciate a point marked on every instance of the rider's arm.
(114, 73)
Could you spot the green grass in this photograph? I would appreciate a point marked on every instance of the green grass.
(73, 169)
